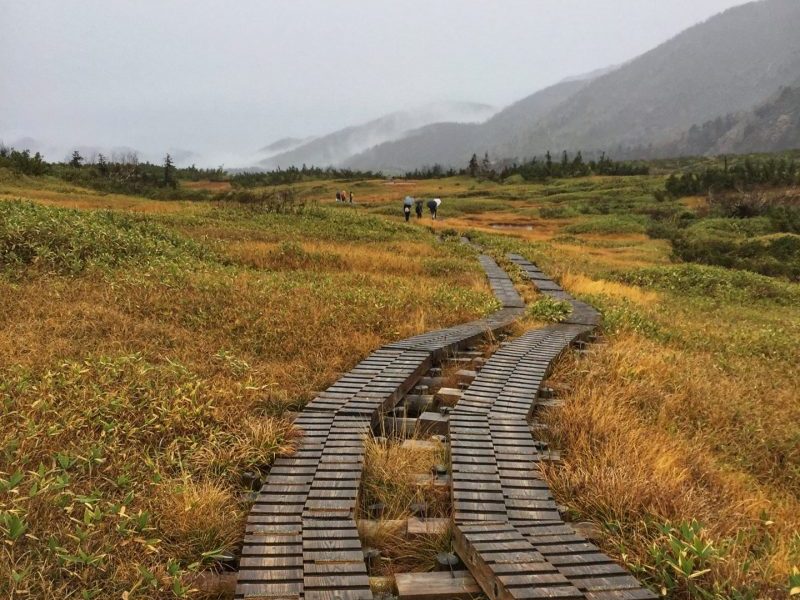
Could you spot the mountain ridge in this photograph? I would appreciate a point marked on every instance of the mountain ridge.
(730, 63)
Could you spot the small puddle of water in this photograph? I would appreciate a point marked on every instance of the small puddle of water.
(511, 226)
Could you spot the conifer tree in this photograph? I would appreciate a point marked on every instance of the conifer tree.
(473, 165)
(169, 171)
(102, 165)
(76, 160)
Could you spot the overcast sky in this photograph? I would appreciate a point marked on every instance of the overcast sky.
(225, 78)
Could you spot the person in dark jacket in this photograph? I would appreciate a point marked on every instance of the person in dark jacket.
(433, 206)
(418, 208)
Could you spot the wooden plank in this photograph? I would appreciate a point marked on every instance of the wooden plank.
(515, 555)
(427, 527)
(459, 585)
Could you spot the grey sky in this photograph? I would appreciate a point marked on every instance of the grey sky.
(225, 78)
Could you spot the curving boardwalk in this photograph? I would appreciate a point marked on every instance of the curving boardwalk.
(301, 536)
(508, 529)
(301, 539)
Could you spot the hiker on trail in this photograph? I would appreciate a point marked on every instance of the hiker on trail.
(418, 208)
(338, 197)
(433, 206)
(407, 204)
(351, 196)
(344, 196)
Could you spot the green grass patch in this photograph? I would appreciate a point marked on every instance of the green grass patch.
(608, 224)
(68, 241)
(549, 309)
(714, 282)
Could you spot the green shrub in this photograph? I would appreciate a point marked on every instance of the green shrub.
(714, 282)
(69, 241)
(785, 218)
(514, 179)
(557, 212)
(449, 234)
(777, 255)
(549, 309)
(621, 314)
(729, 227)
(608, 224)
(682, 560)
(662, 231)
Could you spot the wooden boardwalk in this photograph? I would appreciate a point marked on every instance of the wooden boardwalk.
(301, 536)
(301, 539)
(508, 529)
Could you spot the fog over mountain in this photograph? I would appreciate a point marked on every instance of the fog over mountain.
(337, 147)
(217, 82)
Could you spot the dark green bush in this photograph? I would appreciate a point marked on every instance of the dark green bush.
(774, 255)
(557, 212)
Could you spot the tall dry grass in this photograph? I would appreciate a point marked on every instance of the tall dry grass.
(391, 477)
(646, 431)
(136, 390)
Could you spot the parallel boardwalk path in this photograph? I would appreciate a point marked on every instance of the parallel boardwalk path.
(301, 536)
(508, 528)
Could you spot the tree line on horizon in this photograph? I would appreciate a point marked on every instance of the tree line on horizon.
(740, 176)
(123, 174)
(537, 168)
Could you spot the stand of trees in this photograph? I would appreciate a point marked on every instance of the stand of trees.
(21, 161)
(122, 174)
(431, 172)
(741, 176)
(128, 176)
(542, 168)
(535, 169)
(295, 175)
(546, 167)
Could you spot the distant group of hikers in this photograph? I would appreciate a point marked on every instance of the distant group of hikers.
(343, 196)
(408, 202)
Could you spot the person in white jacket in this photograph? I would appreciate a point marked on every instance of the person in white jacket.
(433, 206)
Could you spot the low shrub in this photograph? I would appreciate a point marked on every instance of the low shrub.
(714, 282)
(557, 212)
(608, 224)
(549, 309)
(283, 201)
(776, 255)
(662, 231)
(69, 241)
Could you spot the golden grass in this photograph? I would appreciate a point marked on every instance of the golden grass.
(643, 426)
(69, 196)
(581, 284)
(197, 516)
(146, 391)
(391, 477)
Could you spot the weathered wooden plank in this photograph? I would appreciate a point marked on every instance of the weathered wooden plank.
(459, 585)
